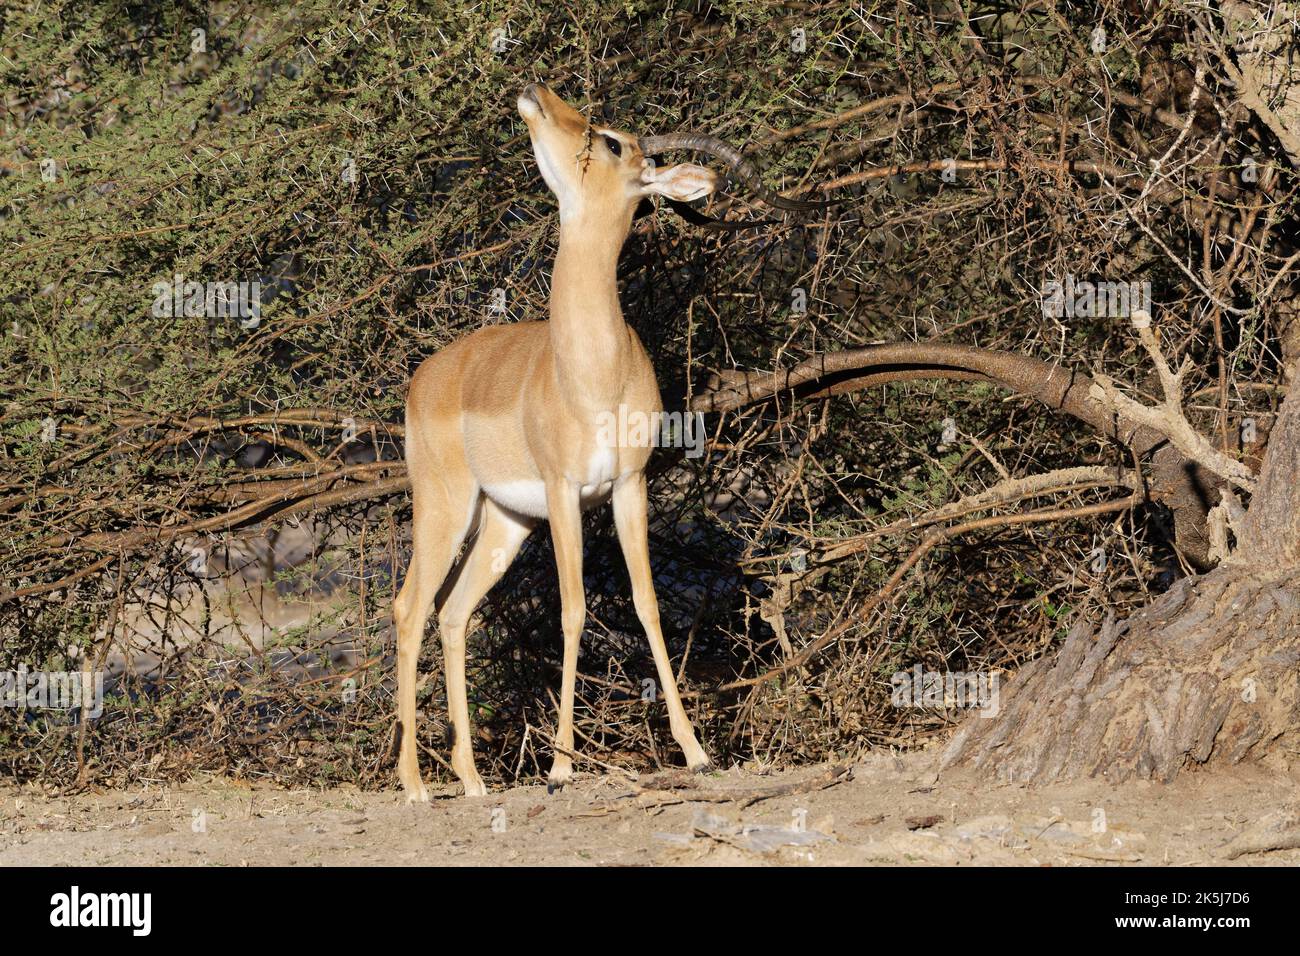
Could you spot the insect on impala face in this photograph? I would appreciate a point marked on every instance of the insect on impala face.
(593, 169)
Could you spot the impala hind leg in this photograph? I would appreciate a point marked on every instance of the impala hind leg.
(633, 536)
(499, 538)
(442, 511)
(565, 514)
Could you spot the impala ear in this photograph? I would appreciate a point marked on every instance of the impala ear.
(683, 182)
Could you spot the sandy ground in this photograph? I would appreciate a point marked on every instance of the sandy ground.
(888, 810)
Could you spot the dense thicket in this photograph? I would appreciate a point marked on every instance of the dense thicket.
(368, 170)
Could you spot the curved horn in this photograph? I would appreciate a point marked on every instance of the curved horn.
(719, 225)
(744, 170)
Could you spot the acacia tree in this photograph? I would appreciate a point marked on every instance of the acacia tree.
(1210, 670)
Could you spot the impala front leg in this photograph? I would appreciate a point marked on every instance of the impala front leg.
(633, 536)
(565, 512)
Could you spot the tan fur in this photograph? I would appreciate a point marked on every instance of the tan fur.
(502, 430)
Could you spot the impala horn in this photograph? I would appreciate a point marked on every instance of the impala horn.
(743, 168)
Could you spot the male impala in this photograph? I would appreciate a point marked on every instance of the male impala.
(503, 429)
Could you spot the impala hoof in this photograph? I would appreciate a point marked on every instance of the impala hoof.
(557, 781)
(704, 766)
(417, 794)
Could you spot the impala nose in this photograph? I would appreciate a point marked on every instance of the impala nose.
(530, 99)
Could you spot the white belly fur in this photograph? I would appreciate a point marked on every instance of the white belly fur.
(529, 497)
(524, 497)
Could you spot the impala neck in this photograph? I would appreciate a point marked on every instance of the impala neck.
(588, 335)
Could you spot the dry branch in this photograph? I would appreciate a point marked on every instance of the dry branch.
(1168, 419)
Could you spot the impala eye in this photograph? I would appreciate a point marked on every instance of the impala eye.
(614, 145)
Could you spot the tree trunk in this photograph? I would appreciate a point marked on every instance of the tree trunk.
(1207, 673)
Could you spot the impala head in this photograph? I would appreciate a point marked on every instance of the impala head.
(596, 170)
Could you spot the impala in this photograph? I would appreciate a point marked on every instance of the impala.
(504, 428)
